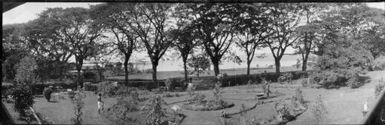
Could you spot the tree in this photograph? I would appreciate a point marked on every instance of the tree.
(185, 40)
(199, 63)
(80, 32)
(25, 71)
(151, 25)
(117, 21)
(283, 18)
(251, 31)
(25, 77)
(47, 41)
(343, 55)
(310, 33)
(13, 49)
(215, 25)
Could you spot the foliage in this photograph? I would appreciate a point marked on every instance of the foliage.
(215, 28)
(198, 63)
(107, 88)
(284, 20)
(47, 93)
(217, 93)
(297, 100)
(319, 110)
(79, 104)
(23, 98)
(155, 113)
(25, 71)
(379, 87)
(115, 21)
(266, 87)
(197, 99)
(285, 77)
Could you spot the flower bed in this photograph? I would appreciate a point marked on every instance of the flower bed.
(208, 105)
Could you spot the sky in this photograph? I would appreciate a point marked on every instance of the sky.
(29, 11)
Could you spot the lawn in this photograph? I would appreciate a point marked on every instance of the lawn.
(344, 105)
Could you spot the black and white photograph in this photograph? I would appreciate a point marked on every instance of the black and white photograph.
(193, 63)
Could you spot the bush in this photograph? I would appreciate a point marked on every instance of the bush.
(319, 110)
(23, 98)
(47, 93)
(155, 113)
(285, 77)
(71, 95)
(107, 89)
(379, 87)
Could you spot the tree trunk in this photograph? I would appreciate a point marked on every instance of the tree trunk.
(277, 65)
(216, 67)
(304, 63)
(185, 69)
(248, 67)
(79, 79)
(126, 70)
(154, 70)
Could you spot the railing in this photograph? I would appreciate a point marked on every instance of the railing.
(373, 117)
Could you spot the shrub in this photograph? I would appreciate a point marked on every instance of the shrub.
(23, 98)
(379, 87)
(283, 112)
(71, 95)
(217, 93)
(285, 77)
(155, 114)
(299, 96)
(197, 99)
(319, 110)
(266, 88)
(297, 100)
(47, 93)
(79, 104)
(107, 89)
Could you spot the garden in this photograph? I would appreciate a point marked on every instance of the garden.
(83, 65)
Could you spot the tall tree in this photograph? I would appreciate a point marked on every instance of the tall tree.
(13, 49)
(215, 25)
(80, 32)
(283, 18)
(47, 42)
(252, 30)
(310, 33)
(115, 18)
(152, 26)
(185, 40)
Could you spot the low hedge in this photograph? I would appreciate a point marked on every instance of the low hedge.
(148, 84)
(243, 79)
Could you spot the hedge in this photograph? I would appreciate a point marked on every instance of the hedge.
(240, 79)
(148, 84)
(37, 89)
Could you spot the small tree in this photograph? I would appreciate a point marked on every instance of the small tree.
(25, 76)
(25, 71)
(23, 99)
(79, 104)
(319, 109)
(155, 113)
(199, 63)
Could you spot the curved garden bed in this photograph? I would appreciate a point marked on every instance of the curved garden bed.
(210, 105)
